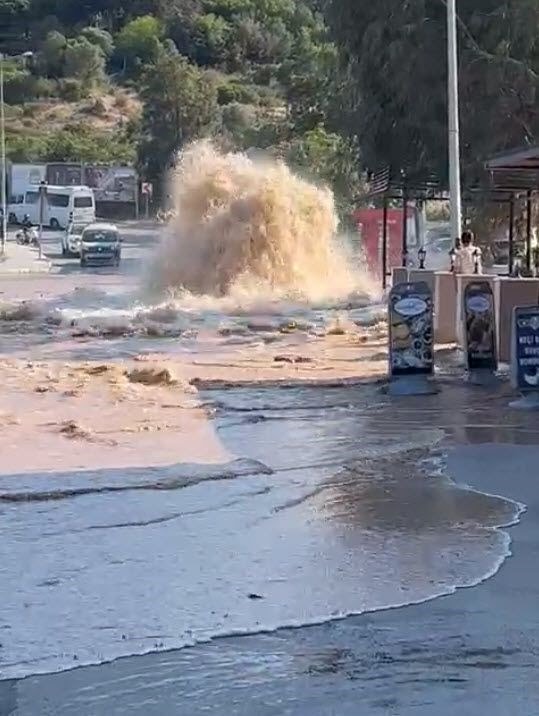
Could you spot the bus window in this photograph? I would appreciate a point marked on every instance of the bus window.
(83, 202)
(61, 200)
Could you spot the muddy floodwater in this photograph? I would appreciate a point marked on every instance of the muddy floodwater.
(179, 473)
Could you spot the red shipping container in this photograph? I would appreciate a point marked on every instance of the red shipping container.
(370, 224)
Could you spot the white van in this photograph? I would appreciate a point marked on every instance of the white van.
(62, 205)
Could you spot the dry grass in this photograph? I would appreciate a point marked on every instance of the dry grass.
(107, 111)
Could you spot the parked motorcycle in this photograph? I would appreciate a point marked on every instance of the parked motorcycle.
(27, 237)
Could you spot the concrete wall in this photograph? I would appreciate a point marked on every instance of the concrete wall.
(445, 307)
(511, 292)
(399, 275)
(448, 305)
(423, 275)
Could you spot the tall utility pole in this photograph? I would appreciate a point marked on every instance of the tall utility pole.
(3, 177)
(453, 123)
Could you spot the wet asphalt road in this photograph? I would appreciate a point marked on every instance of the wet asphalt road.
(471, 652)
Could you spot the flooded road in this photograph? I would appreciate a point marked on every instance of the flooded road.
(347, 515)
(225, 472)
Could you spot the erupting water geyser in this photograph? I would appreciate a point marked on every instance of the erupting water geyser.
(246, 227)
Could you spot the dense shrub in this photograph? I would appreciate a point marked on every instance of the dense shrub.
(71, 89)
(23, 87)
(100, 38)
(228, 92)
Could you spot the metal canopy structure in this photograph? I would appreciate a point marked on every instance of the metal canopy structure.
(412, 185)
(515, 171)
(512, 175)
(404, 187)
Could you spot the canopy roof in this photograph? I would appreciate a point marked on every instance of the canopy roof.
(515, 171)
(384, 182)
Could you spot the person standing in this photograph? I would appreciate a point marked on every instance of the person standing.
(468, 262)
(468, 256)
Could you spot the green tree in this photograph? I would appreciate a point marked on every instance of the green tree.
(22, 86)
(398, 68)
(212, 35)
(51, 57)
(24, 148)
(81, 143)
(77, 13)
(101, 38)
(84, 61)
(329, 157)
(180, 104)
(229, 9)
(13, 9)
(310, 78)
(139, 41)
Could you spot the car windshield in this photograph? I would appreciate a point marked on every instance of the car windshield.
(100, 235)
(434, 235)
(445, 244)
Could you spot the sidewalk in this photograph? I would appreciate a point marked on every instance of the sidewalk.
(22, 260)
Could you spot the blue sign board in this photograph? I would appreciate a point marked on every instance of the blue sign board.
(411, 342)
(480, 319)
(525, 350)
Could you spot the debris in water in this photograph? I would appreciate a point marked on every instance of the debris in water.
(261, 327)
(337, 328)
(255, 596)
(8, 419)
(292, 359)
(151, 376)
(23, 311)
(294, 326)
(154, 330)
(72, 430)
(98, 369)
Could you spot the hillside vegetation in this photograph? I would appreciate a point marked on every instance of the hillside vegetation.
(111, 80)
(334, 86)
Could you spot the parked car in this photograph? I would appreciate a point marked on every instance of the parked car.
(438, 245)
(71, 239)
(100, 244)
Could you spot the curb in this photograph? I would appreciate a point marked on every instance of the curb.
(26, 271)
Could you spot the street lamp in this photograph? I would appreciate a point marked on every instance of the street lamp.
(3, 177)
(536, 261)
(455, 202)
(476, 260)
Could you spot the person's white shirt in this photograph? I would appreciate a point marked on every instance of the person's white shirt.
(466, 259)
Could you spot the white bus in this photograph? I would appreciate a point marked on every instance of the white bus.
(62, 205)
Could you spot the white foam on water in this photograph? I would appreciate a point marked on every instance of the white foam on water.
(249, 239)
